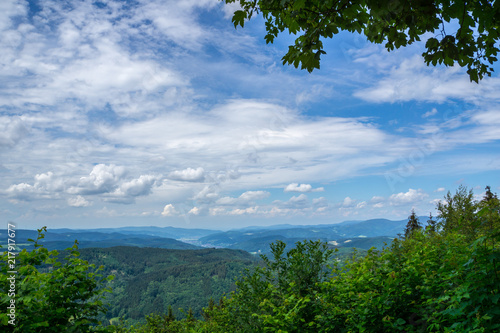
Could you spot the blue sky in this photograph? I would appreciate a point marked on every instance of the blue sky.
(160, 113)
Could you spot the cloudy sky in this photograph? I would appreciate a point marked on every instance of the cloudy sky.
(152, 112)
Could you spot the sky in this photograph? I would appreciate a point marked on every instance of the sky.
(149, 112)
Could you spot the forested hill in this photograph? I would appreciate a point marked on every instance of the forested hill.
(361, 234)
(60, 239)
(148, 280)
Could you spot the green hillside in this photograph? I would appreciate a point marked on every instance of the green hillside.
(63, 239)
(148, 280)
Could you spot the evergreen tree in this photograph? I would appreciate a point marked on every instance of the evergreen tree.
(412, 225)
(170, 314)
(209, 309)
(431, 224)
(190, 315)
(489, 212)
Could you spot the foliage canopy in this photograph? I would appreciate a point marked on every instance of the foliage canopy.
(52, 295)
(397, 23)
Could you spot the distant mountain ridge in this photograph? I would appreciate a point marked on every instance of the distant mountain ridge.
(168, 232)
(362, 234)
(60, 239)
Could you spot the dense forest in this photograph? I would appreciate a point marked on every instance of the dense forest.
(149, 280)
(444, 277)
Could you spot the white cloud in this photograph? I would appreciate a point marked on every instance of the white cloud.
(407, 198)
(177, 21)
(348, 202)
(490, 117)
(430, 113)
(294, 187)
(440, 189)
(411, 79)
(230, 8)
(194, 211)
(361, 204)
(435, 202)
(138, 187)
(169, 210)
(22, 191)
(188, 175)
(106, 181)
(11, 131)
(238, 211)
(304, 188)
(320, 202)
(78, 201)
(207, 194)
(214, 211)
(46, 185)
(245, 198)
(266, 141)
(102, 179)
(296, 202)
(9, 10)
(250, 196)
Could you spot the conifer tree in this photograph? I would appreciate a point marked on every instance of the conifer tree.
(431, 224)
(170, 314)
(489, 213)
(412, 225)
(190, 315)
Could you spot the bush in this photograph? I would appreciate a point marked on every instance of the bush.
(52, 295)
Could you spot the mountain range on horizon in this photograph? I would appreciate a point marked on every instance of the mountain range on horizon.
(255, 239)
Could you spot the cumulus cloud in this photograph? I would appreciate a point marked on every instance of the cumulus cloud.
(348, 202)
(320, 202)
(195, 211)
(129, 190)
(78, 201)
(139, 187)
(102, 179)
(376, 199)
(296, 202)
(244, 199)
(407, 198)
(169, 210)
(46, 185)
(188, 175)
(22, 191)
(107, 181)
(304, 188)
(239, 211)
(214, 211)
(435, 202)
(207, 195)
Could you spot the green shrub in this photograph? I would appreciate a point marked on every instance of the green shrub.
(51, 295)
